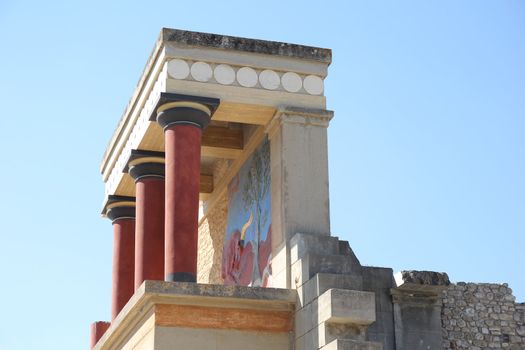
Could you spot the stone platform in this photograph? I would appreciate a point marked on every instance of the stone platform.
(177, 315)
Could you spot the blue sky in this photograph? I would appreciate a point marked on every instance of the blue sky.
(426, 148)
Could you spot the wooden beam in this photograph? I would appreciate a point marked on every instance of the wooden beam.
(206, 185)
(127, 185)
(222, 142)
(225, 137)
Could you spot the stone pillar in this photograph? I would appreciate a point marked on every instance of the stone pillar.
(97, 331)
(147, 168)
(299, 173)
(121, 211)
(417, 309)
(182, 119)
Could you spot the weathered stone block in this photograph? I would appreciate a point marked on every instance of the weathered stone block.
(303, 243)
(347, 306)
(308, 341)
(421, 279)
(310, 264)
(306, 319)
(321, 282)
(347, 344)
(382, 330)
(344, 249)
(328, 332)
(380, 280)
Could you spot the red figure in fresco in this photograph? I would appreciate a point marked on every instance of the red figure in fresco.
(246, 256)
(237, 259)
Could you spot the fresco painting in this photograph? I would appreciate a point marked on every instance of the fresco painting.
(246, 258)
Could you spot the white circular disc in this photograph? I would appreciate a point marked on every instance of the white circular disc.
(224, 74)
(201, 71)
(247, 77)
(313, 85)
(178, 69)
(291, 81)
(269, 79)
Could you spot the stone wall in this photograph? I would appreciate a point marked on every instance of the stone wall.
(482, 316)
(211, 241)
(211, 232)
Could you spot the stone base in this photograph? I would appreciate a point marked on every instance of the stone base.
(176, 315)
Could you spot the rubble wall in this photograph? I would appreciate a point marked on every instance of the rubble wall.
(479, 316)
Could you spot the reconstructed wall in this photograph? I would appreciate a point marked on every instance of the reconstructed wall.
(482, 316)
(211, 241)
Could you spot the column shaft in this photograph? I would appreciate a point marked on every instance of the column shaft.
(97, 331)
(149, 230)
(183, 148)
(123, 264)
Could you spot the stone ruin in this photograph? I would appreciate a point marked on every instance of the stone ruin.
(216, 184)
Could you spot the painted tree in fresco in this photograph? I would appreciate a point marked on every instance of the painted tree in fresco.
(255, 189)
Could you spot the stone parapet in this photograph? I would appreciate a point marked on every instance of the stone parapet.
(168, 315)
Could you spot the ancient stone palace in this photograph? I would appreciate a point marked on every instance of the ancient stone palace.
(216, 185)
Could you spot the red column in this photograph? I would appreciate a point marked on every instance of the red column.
(182, 121)
(183, 150)
(149, 223)
(121, 211)
(97, 331)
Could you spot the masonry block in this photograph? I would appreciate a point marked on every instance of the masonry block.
(308, 341)
(304, 243)
(321, 282)
(310, 264)
(380, 280)
(347, 306)
(344, 249)
(347, 344)
(330, 331)
(306, 319)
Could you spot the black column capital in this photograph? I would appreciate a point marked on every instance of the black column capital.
(174, 109)
(142, 164)
(119, 207)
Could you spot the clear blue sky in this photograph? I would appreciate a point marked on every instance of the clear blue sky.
(427, 148)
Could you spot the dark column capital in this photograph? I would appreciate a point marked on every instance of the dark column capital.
(119, 207)
(142, 164)
(172, 109)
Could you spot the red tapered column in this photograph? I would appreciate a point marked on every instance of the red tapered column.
(121, 211)
(182, 122)
(183, 146)
(148, 173)
(97, 331)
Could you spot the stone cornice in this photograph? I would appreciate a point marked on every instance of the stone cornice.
(299, 115)
(225, 42)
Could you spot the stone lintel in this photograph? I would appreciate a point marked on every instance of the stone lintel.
(172, 304)
(225, 42)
